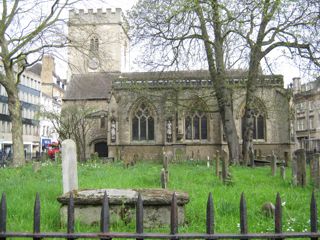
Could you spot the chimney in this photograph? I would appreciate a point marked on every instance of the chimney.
(296, 84)
(48, 68)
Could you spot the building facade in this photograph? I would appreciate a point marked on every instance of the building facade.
(306, 99)
(29, 95)
(140, 115)
(52, 91)
(38, 90)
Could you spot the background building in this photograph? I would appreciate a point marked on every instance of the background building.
(39, 88)
(306, 99)
(29, 95)
(52, 91)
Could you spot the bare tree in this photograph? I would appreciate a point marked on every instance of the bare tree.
(180, 34)
(73, 122)
(27, 30)
(269, 25)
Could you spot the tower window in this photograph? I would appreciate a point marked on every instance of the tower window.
(94, 45)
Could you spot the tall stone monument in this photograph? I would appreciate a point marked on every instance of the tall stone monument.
(69, 166)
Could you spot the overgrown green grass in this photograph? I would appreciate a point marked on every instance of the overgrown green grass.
(21, 185)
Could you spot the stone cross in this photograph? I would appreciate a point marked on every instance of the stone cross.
(301, 167)
(69, 166)
(273, 164)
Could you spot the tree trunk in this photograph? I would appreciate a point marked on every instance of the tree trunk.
(218, 77)
(247, 138)
(225, 108)
(14, 107)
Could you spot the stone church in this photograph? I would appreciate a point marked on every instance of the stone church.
(143, 114)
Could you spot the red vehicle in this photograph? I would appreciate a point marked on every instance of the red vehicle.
(53, 148)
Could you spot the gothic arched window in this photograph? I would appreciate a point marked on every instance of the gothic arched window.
(196, 126)
(142, 124)
(259, 125)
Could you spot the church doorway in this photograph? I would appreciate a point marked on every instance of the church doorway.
(101, 148)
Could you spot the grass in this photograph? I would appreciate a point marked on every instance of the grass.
(21, 185)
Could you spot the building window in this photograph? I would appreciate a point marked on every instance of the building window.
(259, 126)
(300, 124)
(113, 130)
(142, 124)
(102, 122)
(311, 123)
(94, 45)
(4, 108)
(196, 126)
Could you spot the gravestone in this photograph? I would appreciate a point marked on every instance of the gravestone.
(165, 164)
(217, 163)
(251, 156)
(225, 164)
(283, 172)
(301, 167)
(163, 178)
(315, 170)
(69, 166)
(287, 159)
(294, 171)
(122, 204)
(273, 164)
(208, 161)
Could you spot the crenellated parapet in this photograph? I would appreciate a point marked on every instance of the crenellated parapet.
(202, 80)
(95, 16)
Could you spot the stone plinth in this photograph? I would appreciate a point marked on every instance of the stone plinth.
(156, 205)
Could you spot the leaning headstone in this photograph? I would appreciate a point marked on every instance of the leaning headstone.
(217, 163)
(273, 164)
(301, 167)
(283, 172)
(294, 171)
(69, 166)
(315, 170)
(163, 179)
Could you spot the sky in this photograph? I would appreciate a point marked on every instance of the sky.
(283, 67)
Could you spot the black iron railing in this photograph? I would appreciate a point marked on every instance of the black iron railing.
(174, 234)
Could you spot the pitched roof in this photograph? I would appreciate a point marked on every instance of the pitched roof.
(90, 86)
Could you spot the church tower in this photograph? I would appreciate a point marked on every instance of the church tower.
(99, 41)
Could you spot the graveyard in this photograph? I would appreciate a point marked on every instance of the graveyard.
(197, 178)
